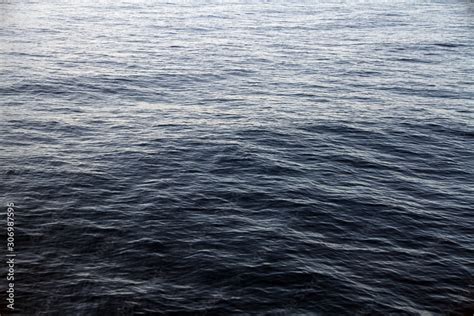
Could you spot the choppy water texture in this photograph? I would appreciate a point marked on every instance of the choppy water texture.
(300, 158)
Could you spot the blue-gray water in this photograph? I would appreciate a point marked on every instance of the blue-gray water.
(202, 158)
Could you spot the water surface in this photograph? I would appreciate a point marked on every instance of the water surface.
(277, 157)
